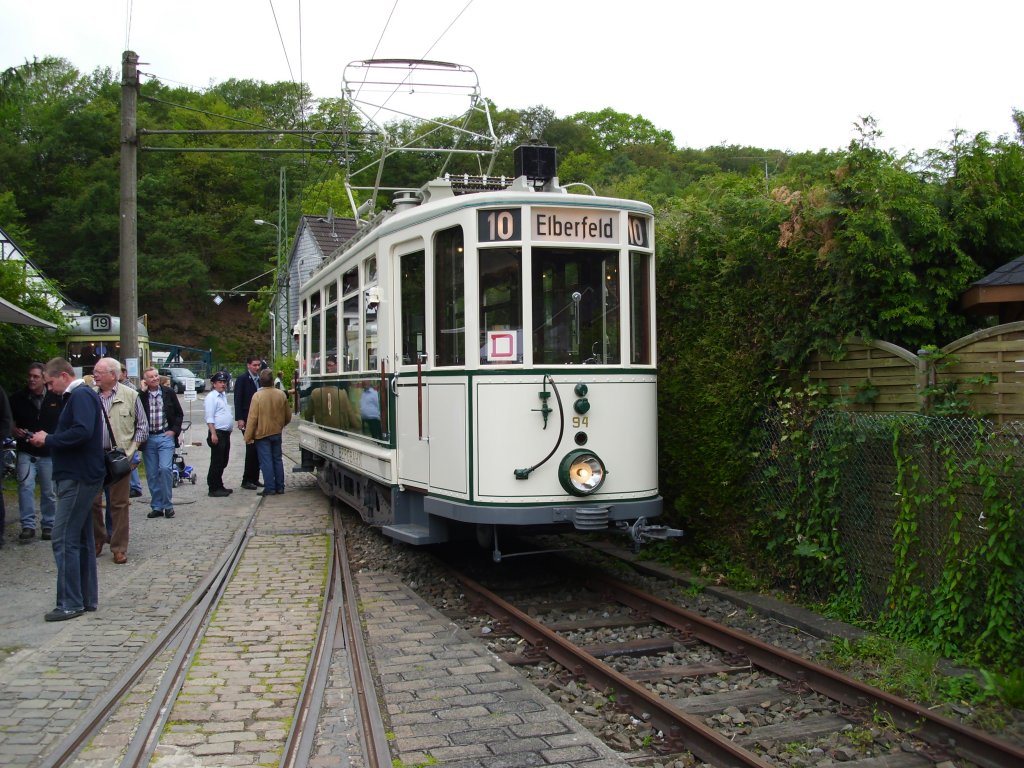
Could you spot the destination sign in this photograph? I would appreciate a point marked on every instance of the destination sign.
(638, 231)
(575, 225)
(498, 225)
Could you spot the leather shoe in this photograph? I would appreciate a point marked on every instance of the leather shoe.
(58, 614)
(26, 534)
(259, 484)
(220, 492)
(249, 486)
(120, 558)
(155, 513)
(279, 490)
(168, 513)
(265, 493)
(47, 534)
(134, 494)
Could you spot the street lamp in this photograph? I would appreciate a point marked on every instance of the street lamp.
(277, 286)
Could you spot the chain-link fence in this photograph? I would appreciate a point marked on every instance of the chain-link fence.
(905, 511)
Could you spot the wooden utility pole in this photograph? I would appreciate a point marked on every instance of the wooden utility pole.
(129, 245)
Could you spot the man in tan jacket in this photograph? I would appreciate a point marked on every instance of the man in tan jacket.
(130, 428)
(269, 414)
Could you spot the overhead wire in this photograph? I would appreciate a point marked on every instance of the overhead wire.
(322, 177)
(425, 54)
(128, 25)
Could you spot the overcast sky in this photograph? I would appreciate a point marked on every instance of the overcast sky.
(791, 74)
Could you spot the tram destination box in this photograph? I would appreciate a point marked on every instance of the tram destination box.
(535, 161)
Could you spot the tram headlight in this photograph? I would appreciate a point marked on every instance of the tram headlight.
(581, 473)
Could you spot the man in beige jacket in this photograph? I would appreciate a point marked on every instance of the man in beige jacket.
(269, 414)
(130, 428)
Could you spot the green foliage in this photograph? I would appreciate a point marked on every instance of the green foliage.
(970, 611)
(1008, 688)
(900, 669)
(799, 504)
(24, 344)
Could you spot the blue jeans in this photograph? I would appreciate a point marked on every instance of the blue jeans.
(135, 483)
(30, 469)
(158, 453)
(268, 449)
(74, 547)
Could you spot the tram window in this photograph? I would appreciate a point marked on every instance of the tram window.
(501, 306)
(414, 306)
(331, 338)
(449, 298)
(350, 333)
(314, 343)
(640, 308)
(350, 281)
(371, 298)
(575, 306)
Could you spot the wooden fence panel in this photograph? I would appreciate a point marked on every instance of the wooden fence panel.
(989, 370)
(896, 374)
(995, 355)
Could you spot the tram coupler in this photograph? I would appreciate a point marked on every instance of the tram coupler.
(641, 532)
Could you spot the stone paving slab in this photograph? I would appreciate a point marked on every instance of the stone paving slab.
(451, 702)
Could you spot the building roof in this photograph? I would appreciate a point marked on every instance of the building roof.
(10, 313)
(1001, 292)
(1011, 273)
(329, 231)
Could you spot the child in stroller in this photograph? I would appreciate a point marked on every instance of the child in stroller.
(180, 471)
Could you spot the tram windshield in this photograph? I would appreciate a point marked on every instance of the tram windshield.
(575, 306)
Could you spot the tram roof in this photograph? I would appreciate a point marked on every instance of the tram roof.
(468, 192)
(82, 326)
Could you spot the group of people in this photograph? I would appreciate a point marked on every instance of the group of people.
(261, 413)
(64, 427)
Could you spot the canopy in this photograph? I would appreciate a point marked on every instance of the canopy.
(9, 313)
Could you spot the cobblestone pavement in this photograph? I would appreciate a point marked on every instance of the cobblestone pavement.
(448, 699)
(51, 673)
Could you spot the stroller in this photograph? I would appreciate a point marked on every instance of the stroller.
(180, 471)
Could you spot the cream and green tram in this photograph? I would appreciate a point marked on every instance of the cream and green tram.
(482, 358)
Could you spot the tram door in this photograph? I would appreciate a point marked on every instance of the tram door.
(412, 404)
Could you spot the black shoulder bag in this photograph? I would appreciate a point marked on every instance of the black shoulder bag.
(119, 465)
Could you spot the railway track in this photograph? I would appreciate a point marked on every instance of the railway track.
(176, 657)
(723, 728)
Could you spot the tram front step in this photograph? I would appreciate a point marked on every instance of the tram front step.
(411, 533)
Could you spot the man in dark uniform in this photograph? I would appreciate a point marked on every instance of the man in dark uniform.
(218, 424)
(245, 387)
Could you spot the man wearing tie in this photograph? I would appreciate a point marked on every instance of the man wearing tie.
(245, 387)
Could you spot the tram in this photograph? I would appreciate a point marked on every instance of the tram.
(481, 358)
(94, 336)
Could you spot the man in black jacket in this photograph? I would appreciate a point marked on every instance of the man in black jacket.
(35, 408)
(245, 387)
(165, 416)
(5, 431)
